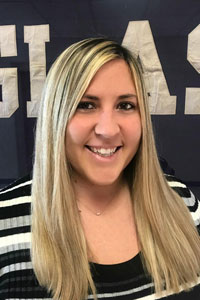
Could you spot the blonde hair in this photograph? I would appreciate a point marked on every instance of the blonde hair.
(169, 249)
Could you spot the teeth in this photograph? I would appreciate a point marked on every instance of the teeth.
(103, 151)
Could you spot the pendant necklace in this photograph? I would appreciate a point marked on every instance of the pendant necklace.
(96, 213)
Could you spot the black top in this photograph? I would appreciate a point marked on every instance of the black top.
(126, 280)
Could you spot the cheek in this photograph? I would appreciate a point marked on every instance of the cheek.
(138, 131)
(134, 131)
(76, 133)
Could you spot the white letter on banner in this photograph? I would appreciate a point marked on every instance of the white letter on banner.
(8, 76)
(36, 36)
(8, 40)
(139, 40)
(8, 80)
(192, 97)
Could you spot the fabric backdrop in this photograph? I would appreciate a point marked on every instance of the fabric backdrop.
(165, 35)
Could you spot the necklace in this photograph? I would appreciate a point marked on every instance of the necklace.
(96, 213)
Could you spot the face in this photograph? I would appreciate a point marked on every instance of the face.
(104, 134)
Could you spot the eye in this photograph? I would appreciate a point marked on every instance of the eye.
(126, 106)
(86, 105)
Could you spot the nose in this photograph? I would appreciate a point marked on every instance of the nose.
(107, 126)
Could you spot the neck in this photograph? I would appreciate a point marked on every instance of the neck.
(99, 197)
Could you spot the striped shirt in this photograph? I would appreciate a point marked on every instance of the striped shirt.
(123, 281)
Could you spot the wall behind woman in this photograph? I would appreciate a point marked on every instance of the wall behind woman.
(164, 34)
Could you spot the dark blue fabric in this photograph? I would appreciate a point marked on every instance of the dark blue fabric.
(177, 136)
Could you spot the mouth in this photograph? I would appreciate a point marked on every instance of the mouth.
(104, 152)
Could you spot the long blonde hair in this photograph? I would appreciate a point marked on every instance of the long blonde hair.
(170, 250)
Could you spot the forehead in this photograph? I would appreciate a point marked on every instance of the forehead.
(114, 75)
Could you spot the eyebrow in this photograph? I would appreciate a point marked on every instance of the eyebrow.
(121, 97)
(127, 96)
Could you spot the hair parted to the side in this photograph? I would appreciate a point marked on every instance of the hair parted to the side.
(169, 249)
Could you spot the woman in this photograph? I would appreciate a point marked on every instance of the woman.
(105, 222)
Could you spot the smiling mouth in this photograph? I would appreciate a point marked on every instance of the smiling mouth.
(102, 151)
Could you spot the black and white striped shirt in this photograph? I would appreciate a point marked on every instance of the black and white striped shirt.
(124, 281)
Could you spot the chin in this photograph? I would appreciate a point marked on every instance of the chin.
(104, 180)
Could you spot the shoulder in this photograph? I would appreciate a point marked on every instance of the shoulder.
(15, 220)
(16, 271)
(178, 186)
(189, 198)
(15, 199)
(19, 188)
